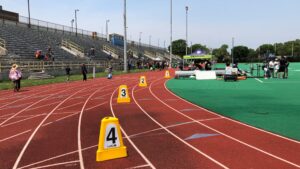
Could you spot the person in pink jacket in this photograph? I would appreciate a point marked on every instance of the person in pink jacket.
(15, 75)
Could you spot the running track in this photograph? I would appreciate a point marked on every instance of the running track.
(57, 126)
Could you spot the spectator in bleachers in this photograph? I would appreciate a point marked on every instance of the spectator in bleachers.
(38, 54)
(84, 72)
(49, 54)
(15, 75)
(92, 51)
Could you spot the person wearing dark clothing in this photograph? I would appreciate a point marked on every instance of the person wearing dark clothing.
(109, 76)
(68, 70)
(208, 65)
(286, 72)
(282, 66)
(84, 72)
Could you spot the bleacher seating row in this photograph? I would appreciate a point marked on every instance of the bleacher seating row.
(22, 42)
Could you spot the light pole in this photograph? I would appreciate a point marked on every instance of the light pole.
(232, 54)
(76, 10)
(164, 44)
(191, 47)
(28, 5)
(158, 43)
(171, 13)
(72, 22)
(125, 38)
(140, 38)
(106, 23)
(150, 41)
(186, 48)
(293, 49)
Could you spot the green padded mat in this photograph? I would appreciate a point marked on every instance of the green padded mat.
(270, 104)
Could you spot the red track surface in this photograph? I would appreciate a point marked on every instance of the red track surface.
(57, 126)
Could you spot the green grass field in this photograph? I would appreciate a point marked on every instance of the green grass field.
(60, 79)
(270, 104)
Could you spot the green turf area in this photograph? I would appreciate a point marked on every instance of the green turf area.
(60, 79)
(270, 104)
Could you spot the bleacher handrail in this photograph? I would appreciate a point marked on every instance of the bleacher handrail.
(2, 43)
(110, 49)
(71, 45)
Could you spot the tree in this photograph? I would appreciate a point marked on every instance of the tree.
(178, 47)
(240, 54)
(197, 47)
(266, 50)
(221, 53)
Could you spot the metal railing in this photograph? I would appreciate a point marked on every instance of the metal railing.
(110, 49)
(2, 43)
(71, 45)
(36, 23)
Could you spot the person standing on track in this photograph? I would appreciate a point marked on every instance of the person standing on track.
(15, 75)
(84, 72)
(68, 70)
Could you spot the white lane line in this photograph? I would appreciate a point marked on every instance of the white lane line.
(70, 106)
(23, 98)
(16, 106)
(56, 164)
(41, 106)
(232, 138)
(44, 125)
(140, 166)
(96, 106)
(66, 117)
(6, 115)
(56, 157)
(30, 106)
(79, 129)
(15, 122)
(37, 128)
(285, 138)
(24, 132)
(131, 142)
(172, 126)
(259, 80)
(177, 137)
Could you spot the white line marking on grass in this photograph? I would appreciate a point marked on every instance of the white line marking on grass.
(24, 132)
(56, 164)
(285, 138)
(79, 128)
(259, 80)
(37, 128)
(177, 137)
(131, 142)
(232, 138)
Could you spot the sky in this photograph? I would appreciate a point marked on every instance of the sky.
(210, 22)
